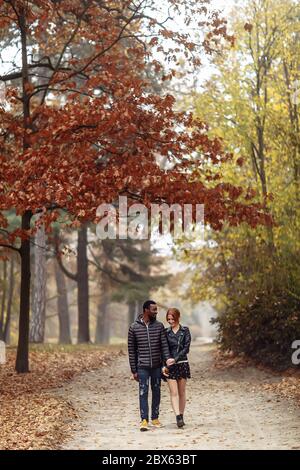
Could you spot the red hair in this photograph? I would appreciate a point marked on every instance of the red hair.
(174, 312)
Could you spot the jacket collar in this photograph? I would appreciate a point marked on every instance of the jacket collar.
(141, 321)
(179, 329)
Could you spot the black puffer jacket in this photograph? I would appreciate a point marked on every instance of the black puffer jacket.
(147, 345)
(179, 343)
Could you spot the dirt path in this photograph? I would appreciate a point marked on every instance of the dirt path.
(225, 410)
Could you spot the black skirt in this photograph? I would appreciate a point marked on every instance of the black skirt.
(179, 371)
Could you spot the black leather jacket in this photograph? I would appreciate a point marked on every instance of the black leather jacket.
(179, 343)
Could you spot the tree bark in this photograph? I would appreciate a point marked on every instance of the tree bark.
(103, 324)
(131, 312)
(294, 146)
(81, 277)
(9, 302)
(37, 329)
(62, 306)
(83, 287)
(3, 302)
(22, 361)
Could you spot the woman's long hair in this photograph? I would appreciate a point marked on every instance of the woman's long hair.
(174, 312)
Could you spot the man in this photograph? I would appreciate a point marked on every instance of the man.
(147, 346)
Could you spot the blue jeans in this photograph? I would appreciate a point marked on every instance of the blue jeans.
(155, 376)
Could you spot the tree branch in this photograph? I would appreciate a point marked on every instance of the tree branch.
(97, 265)
(11, 247)
(70, 275)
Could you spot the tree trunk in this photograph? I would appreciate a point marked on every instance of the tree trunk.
(131, 312)
(83, 287)
(62, 306)
(294, 146)
(37, 329)
(9, 302)
(22, 362)
(82, 280)
(3, 302)
(103, 324)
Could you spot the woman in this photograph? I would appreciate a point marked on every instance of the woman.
(179, 339)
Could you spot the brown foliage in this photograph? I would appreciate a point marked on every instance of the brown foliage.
(31, 416)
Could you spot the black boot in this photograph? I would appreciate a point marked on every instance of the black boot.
(179, 421)
(182, 419)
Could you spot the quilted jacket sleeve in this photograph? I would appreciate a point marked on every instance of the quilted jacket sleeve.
(164, 344)
(132, 350)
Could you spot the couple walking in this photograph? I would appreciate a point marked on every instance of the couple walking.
(156, 352)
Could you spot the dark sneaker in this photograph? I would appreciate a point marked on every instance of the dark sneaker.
(179, 421)
(182, 420)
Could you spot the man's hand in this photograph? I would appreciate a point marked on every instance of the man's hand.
(170, 361)
(135, 376)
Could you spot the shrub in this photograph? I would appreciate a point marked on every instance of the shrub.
(263, 330)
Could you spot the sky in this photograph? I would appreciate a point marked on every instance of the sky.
(223, 5)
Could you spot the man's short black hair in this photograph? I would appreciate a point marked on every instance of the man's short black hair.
(147, 304)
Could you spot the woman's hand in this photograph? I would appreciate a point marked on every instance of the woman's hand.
(170, 361)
